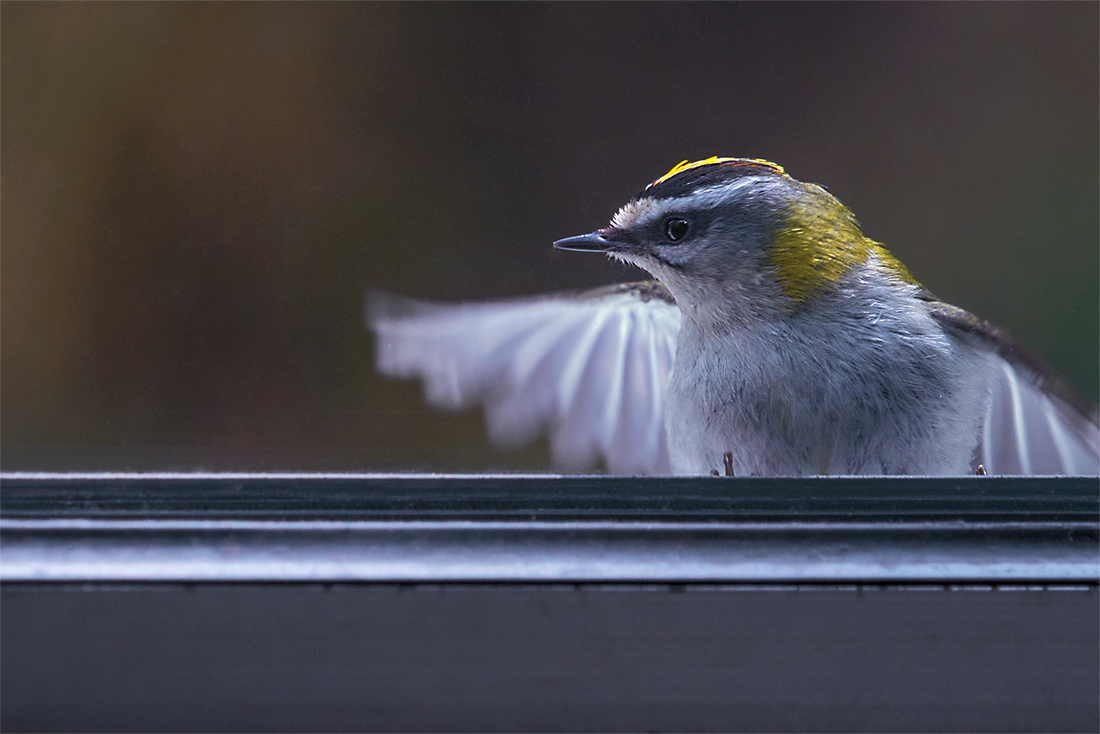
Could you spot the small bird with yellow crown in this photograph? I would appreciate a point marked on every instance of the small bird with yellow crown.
(776, 340)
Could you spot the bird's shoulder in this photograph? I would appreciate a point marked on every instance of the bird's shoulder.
(644, 290)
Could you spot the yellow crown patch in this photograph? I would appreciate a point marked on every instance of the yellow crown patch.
(687, 166)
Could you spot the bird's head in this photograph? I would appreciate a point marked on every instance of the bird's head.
(737, 236)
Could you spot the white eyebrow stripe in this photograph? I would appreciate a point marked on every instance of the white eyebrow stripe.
(643, 211)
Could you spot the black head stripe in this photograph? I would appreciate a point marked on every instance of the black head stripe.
(687, 177)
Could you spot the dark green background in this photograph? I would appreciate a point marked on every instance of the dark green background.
(194, 196)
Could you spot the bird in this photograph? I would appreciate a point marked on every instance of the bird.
(773, 338)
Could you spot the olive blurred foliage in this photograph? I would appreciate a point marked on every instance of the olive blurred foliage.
(196, 195)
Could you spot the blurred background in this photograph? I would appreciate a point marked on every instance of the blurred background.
(195, 196)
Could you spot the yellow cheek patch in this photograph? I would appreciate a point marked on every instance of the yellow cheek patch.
(686, 166)
(818, 243)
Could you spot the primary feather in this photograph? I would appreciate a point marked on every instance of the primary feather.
(589, 369)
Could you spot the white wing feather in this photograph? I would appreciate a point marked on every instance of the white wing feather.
(1032, 432)
(591, 371)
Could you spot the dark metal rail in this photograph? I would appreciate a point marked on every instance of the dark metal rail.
(548, 529)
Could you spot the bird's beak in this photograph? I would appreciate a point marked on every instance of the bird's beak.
(591, 242)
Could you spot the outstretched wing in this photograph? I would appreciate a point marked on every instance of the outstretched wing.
(1036, 423)
(590, 368)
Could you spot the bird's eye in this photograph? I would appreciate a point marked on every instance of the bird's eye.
(676, 228)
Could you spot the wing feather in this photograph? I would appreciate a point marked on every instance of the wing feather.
(591, 369)
(1036, 422)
